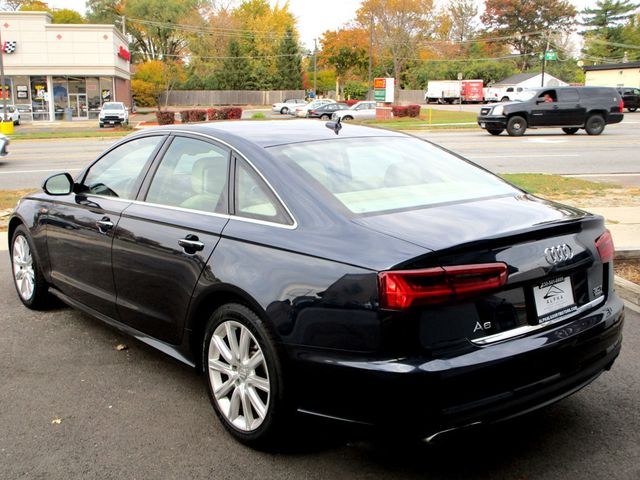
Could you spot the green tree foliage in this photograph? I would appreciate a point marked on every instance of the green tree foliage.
(605, 26)
(235, 68)
(66, 15)
(288, 63)
(517, 19)
(355, 90)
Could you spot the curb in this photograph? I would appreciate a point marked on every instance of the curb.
(629, 292)
(627, 254)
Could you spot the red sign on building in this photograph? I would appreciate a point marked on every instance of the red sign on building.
(124, 54)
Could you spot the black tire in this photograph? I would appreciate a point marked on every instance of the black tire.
(272, 431)
(495, 131)
(504, 99)
(595, 124)
(632, 109)
(284, 111)
(102, 125)
(325, 117)
(39, 297)
(516, 126)
(570, 130)
(347, 118)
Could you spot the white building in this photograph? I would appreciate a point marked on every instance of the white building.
(53, 67)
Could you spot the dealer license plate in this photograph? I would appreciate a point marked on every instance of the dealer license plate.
(482, 125)
(554, 299)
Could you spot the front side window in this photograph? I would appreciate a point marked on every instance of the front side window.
(368, 175)
(254, 199)
(193, 174)
(117, 172)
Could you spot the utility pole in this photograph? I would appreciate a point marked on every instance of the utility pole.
(369, 97)
(315, 67)
(2, 85)
(544, 59)
(124, 28)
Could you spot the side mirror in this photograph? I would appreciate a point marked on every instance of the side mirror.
(539, 101)
(59, 184)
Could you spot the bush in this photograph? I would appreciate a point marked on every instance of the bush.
(214, 114)
(399, 111)
(144, 93)
(165, 118)
(351, 103)
(356, 90)
(258, 115)
(413, 111)
(193, 115)
(233, 113)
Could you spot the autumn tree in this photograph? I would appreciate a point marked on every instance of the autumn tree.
(605, 26)
(346, 51)
(528, 24)
(400, 27)
(463, 15)
(153, 78)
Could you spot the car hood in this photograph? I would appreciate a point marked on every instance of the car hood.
(444, 226)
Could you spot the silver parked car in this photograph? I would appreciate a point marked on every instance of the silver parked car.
(364, 110)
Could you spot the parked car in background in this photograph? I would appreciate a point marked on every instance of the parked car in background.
(287, 106)
(4, 145)
(569, 108)
(369, 277)
(12, 113)
(324, 112)
(631, 97)
(504, 94)
(302, 110)
(364, 110)
(23, 108)
(113, 113)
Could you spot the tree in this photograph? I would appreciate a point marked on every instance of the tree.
(463, 15)
(605, 27)
(528, 24)
(154, 77)
(66, 15)
(289, 63)
(235, 68)
(345, 50)
(400, 27)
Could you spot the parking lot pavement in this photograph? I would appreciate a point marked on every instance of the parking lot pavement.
(74, 407)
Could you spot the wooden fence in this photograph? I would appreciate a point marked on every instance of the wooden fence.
(230, 97)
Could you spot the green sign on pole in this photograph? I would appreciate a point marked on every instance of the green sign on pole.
(550, 55)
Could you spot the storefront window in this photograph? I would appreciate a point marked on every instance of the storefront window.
(39, 98)
(21, 90)
(93, 97)
(60, 96)
(106, 89)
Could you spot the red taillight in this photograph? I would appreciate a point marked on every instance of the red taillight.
(312, 112)
(605, 247)
(621, 105)
(400, 289)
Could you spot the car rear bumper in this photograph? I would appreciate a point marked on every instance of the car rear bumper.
(615, 118)
(492, 122)
(425, 396)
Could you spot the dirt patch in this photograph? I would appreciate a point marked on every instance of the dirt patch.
(628, 269)
(618, 197)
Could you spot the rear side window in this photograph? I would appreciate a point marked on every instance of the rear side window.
(254, 199)
(368, 175)
(568, 95)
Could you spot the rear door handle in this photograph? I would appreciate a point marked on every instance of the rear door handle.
(191, 244)
(104, 225)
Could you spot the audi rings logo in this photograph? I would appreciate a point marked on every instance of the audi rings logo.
(558, 253)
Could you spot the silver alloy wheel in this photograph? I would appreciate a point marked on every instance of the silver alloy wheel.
(23, 272)
(239, 376)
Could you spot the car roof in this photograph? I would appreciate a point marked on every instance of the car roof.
(279, 132)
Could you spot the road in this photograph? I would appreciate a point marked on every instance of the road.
(137, 414)
(610, 156)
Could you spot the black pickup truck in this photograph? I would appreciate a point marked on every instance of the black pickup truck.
(631, 97)
(569, 108)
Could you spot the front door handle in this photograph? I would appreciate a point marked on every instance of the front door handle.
(191, 244)
(104, 225)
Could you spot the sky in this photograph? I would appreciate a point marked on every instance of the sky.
(314, 17)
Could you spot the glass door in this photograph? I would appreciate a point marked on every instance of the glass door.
(78, 103)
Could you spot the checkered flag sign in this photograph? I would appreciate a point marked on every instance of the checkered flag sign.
(9, 46)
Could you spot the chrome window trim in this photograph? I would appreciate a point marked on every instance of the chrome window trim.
(244, 157)
(526, 329)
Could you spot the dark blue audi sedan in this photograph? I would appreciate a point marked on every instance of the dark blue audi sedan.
(359, 275)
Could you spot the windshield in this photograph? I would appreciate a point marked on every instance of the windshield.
(113, 106)
(379, 174)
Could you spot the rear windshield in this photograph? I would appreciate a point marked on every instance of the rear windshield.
(368, 175)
